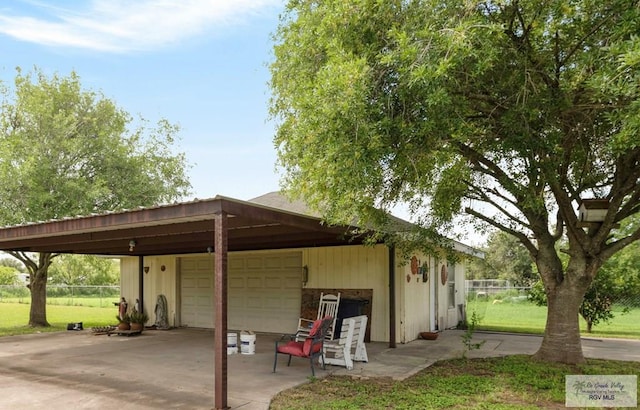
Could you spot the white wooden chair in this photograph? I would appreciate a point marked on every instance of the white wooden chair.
(339, 352)
(328, 306)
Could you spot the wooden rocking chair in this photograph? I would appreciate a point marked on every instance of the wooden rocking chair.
(328, 307)
(311, 347)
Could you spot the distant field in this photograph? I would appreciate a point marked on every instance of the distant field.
(14, 317)
(87, 301)
(524, 316)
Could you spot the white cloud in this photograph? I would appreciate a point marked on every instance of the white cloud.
(124, 25)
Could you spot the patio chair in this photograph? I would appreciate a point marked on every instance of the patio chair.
(328, 306)
(350, 346)
(311, 347)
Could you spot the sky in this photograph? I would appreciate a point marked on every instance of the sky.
(201, 64)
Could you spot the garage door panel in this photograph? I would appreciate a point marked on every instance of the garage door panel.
(235, 303)
(255, 283)
(291, 283)
(253, 263)
(291, 262)
(204, 301)
(196, 286)
(274, 262)
(204, 264)
(254, 303)
(235, 283)
(289, 304)
(272, 282)
(264, 291)
(273, 303)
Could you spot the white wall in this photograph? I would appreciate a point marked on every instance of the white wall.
(354, 267)
(156, 281)
(413, 299)
(348, 267)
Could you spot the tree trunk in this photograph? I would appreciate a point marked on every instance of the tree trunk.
(561, 341)
(38, 312)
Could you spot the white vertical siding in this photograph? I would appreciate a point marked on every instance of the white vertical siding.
(155, 282)
(416, 301)
(129, 279)
(348, 267)
(158, 282)
(354, 267)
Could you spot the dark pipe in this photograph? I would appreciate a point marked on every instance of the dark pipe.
(392, 296)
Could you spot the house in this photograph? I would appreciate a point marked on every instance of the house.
(226, 263)
(269, 289)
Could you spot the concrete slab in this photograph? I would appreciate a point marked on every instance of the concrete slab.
(174, 369)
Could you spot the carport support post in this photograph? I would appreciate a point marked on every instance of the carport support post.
(220, 336)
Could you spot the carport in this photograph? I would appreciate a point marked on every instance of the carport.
(217, 225)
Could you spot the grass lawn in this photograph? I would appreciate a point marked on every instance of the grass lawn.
(15, 316)
(514, 382)
(89, 301)
(526, 317)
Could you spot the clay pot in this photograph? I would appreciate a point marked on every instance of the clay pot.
(137, 326)
(429, 335)
(123, 326)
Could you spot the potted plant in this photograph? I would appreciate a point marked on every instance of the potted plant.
(138, 319)
(123, 322)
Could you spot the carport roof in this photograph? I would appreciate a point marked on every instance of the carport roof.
(179, 228)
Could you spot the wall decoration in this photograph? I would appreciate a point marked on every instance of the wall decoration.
(414, 265)
(443, 275)
(424, 271)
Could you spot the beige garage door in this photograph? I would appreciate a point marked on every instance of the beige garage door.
(196, 287)
(264, 291)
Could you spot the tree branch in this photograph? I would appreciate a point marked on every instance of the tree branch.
(521, 237)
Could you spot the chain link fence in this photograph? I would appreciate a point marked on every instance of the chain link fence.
(95, 296)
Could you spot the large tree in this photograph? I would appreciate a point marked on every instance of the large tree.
(66, 151)
(513, 111)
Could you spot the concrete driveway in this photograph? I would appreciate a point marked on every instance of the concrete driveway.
(174, 369)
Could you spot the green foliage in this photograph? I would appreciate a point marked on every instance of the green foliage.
(126, 318)
(8, 276)
(66, 151)
(138, 317)
(13, 263)
(512, 382)
(75, 270)
(504, 114)
(467, 336)
(505, 258)
(528, 317)
(608, 288)
(431, 102)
